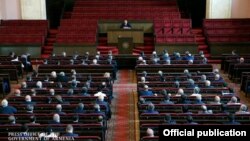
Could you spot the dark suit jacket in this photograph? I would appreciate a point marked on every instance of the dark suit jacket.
(125, 26)
(71, 135)
(146, 93)
(8, 110)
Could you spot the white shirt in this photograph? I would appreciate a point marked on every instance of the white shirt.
(100, 94)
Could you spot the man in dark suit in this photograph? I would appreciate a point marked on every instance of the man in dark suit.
(80, 108)
(231, 120)
(101, 101)
(146, 91)
(126, 25)
(5, 109)
(151, 109)
(56, 119)
(69, 131)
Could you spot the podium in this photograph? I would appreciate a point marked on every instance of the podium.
(136, 34)
(125, 39)
(125, 45)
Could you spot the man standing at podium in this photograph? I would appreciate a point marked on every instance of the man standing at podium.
(125, 25)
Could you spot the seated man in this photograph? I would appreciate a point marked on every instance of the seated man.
(125, 25)
(69, 131)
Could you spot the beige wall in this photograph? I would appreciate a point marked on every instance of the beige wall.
(33, 9)
(10, 9)
(22, 9)
(217, 9)
(240, 9)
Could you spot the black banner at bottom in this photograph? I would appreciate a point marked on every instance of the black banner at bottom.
(202, 132)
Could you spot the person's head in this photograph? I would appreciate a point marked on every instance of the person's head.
(242, 60)
(30, 108)
(56, 117)
(94, 61)
(39, 84)
(190, 61)
(125, 21)
(189, 119)
(144, 73)
(70, 91)
(243, 107)
(52, 92)
(168, 61)
(167, 117)
(180, 91)
(150, 132)
(145, 87)
(203, 77)
(217, 77)
(17, 92)
(28, 98)
(217, 99)
(97, 107)
(142, 100)
(71, 62)
(196, 90)
(12, 119)
(58, 98)
(231, 117)
(185, 109)
(28, 78)
(207, 83)
(69, 128)
(64, 54)
(84, 90)
(216, 71)
(186, 71)
(234, 99)
(204, 108)
(80, 106)
(4, 103)
(75, 118)
(176, 84)
(33, 92)
(23, 84)
(151, 107)
(191, 82)
(74, 84)
(143, 79)
(58, 107)
(33, 119)
(167, 97)
(106, 75)
(160, 72)
(164, 92)
(53, 74)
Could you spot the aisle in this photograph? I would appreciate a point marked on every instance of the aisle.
(121, 125)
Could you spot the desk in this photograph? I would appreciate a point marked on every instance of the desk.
(136, 34)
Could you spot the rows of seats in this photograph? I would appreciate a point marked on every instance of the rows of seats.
(175, 39)
(173, 26)
(125, 2)
(86, 13)
(92, 123)
(227, 30)
(121, 9)
(23, 32)
(161, 81)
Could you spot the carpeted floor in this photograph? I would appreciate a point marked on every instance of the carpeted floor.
(121, 127)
